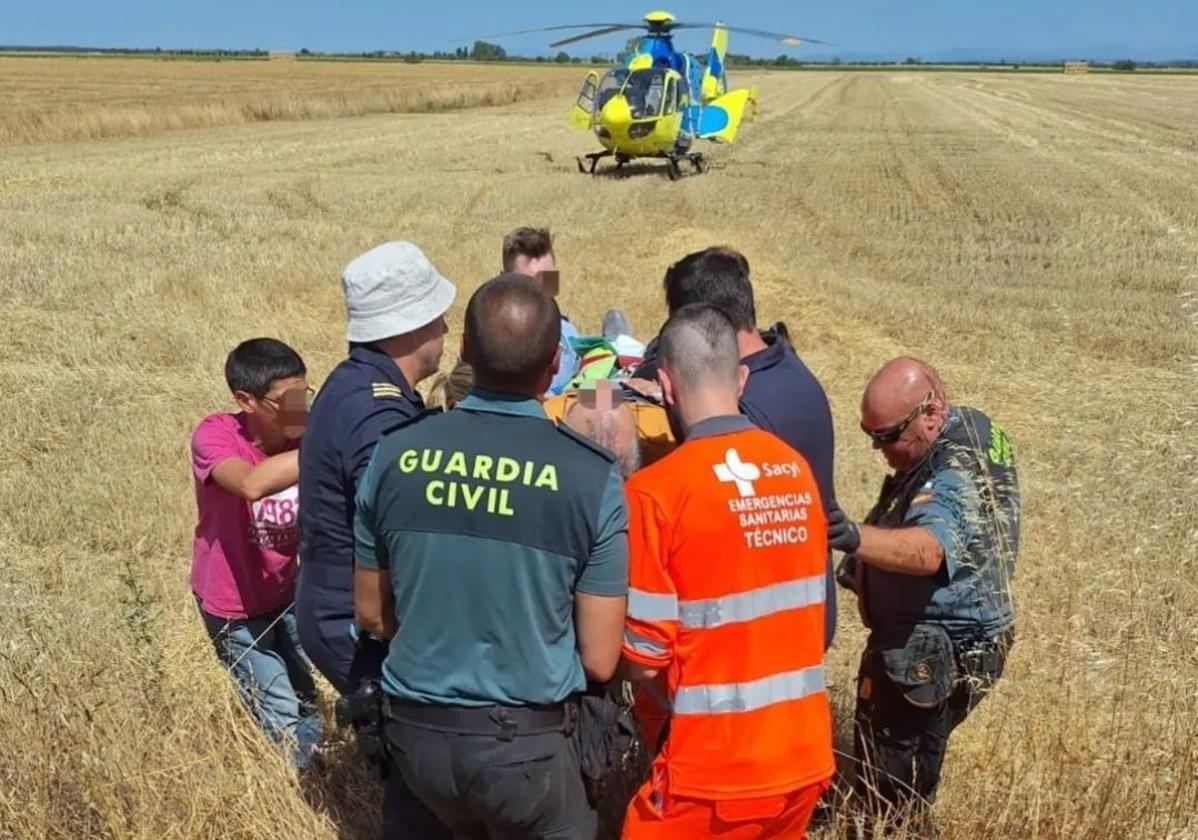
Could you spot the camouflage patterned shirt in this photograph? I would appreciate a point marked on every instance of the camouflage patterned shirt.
(965, 492)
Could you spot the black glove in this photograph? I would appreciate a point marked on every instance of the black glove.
(846, 572)
(843, 533)
(363, 710)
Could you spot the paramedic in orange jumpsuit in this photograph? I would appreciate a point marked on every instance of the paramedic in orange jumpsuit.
(727, 542)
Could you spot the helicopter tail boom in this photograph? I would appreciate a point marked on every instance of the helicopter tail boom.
(713, 73)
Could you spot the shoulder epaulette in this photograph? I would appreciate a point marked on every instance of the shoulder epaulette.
(585, 441)
(411, 421)
(386, 391)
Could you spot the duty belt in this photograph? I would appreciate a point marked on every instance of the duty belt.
(502, 722)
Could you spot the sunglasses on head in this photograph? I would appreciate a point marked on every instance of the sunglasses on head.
(889, 435)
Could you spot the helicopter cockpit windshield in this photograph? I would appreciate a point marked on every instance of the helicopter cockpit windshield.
(645, 91)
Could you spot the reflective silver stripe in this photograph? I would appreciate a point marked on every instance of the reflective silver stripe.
(747, 696)
(650, 606)
(643, 645)
(756, 603)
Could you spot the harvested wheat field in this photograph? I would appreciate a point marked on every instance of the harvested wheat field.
(1036, 237)
(71, 98)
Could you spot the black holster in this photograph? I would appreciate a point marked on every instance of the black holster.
(981, 661)
(363, 710)
(610, 748)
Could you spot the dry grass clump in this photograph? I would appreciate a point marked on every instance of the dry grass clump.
(1035, 237)
(57, 99)
(115, 736)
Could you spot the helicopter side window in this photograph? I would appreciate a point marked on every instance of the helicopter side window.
(671, 97)
(654, 99)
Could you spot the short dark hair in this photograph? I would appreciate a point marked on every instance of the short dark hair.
(526, 242)
(512, 330)
(255, 365)
(698, 346)
(716, 276)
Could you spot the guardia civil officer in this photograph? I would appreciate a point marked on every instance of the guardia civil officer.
(396, 302)
(932, 566)
(491, 549)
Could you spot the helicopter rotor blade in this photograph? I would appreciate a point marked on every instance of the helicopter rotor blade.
(595, 33)
(551, 29)
(788, 40)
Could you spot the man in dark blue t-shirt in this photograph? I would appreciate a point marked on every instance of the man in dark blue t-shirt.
(782, 395)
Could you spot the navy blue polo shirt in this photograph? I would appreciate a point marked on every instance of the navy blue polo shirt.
(784, 397)
(364, 397)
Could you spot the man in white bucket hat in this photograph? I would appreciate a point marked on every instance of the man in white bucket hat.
(395, 301)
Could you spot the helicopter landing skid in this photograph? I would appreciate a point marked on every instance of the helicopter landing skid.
(594, 158)
(588, 162)
(674, 170)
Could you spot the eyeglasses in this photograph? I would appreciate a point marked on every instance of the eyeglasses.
(277, 404)
(889, 435)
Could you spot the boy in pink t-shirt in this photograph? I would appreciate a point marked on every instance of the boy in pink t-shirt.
(245, 467)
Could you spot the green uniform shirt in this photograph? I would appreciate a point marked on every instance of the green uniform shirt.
(489, 519)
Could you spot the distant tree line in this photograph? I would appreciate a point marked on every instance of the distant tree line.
(485, 51)
(788, 61)
(137, 51)
(479, 51)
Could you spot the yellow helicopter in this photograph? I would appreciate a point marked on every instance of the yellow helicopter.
(660, 100)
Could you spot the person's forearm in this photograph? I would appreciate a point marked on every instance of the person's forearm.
(376, 619)
(635, 671)
(599, 629)
(276, 473)
(904, 551)
(374, 606)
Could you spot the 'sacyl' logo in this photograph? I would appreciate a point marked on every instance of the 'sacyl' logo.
(742, 473)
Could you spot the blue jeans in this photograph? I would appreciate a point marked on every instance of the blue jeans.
(263, 655)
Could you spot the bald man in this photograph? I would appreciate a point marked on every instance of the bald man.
(492, 552)
(931, 565)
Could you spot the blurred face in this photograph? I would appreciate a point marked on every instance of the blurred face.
(282, 412)
(903, 434)
(542, 269)
(430, 344)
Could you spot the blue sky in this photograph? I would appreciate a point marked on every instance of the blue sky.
(880, 28)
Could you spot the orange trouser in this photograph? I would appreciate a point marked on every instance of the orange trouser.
(784, 816)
